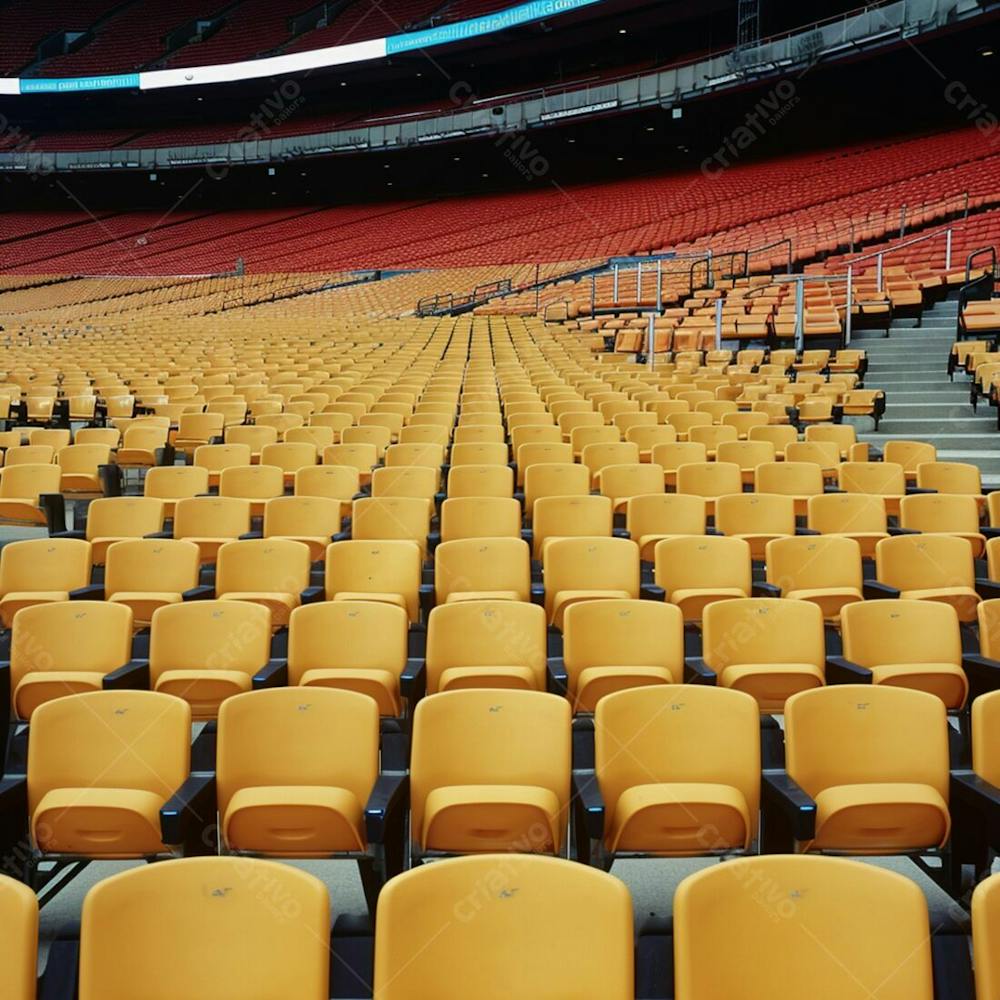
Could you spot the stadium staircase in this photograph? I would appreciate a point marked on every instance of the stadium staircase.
(921, 402)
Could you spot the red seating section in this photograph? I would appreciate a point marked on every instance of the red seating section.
(25, 23)
(810, 198)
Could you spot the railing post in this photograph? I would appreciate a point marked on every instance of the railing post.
(638, 282)
(800, 299)
(878, 273)
(851, 224)
(849, 312)
(593, 294)
(659, 286)
(902, 222)
(947, 251)
(538, 287)
(711, 271)
(966, 213)
(651, 342)
(718, 323)
(615, 291)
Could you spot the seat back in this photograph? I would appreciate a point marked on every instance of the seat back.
(940, 512)
(909, 454)
(406, 481)
(824, 454)
(917, 562)
(337, 482)
(591, 563)
(814, 562)
(709, 479)
(761, 630)
(623, 633)
(211, 517)
(302, 516)
(485, 633)
(293, 737)
(19, 942)
(755, 514)
(498, 942)
(490, 737)
(36, 564)
(354, 635)
(268, 924)
(480, 517)
(122, 517)
(665, 514)
(136, 740)
(262, 565)
(480, 481)
(701, 562)
(891, 631)
(856, 734)
(950, 477)
(376, 567)
(140, 565)
(796, 917)
(677, 734)
(789, 478)
(29, 481)
(879, 478)
(70, 636)
(214, 635)
(554, 479)
(175, 482)
(391, 518)
(847, 513)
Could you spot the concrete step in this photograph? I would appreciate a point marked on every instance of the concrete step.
(915, 385)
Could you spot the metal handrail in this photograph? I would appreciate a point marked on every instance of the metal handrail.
(991, 250)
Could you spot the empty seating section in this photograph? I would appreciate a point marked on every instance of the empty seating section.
(814, 199)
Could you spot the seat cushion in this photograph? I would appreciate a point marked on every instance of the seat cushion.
(483, 595)
(382, 685)
(772, 683)
(693, 602)
(519, 678)
(294, 821)
(964, 600)
(99, 822)
(594, 683)
(11, 603)
(144, 604)
(880, 818)
(203, 690)
(830, 599)
(279, 604)
(564, 598)
(946, 680)
(41, 686)
(679, 818)
(471, 818)
(21, 510)
(356, 595)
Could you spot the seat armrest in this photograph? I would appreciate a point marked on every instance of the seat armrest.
(875, 591)
(273, 674)
(976, 792)
(652, 592)
(193, 805)
(779, 790)
(528, 535)
(842, 671)
(587, 793)
(556, 676)
(989, 532)
(433, 540)
(159, 534)
(134, 676)
(428, 599)
(803, 532)
(413, 680)
(388, 795)
(833, 489)
(199, 593)
(987, 589)
(983, 673)
(247, 535)
(912, 491)
(312, 595)
(343, 536)
(621, 533)
(894, 531)
(538, 594)
(92, 592)
(53, 506)
(82, 535)
(763, 589)
(697, 671)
